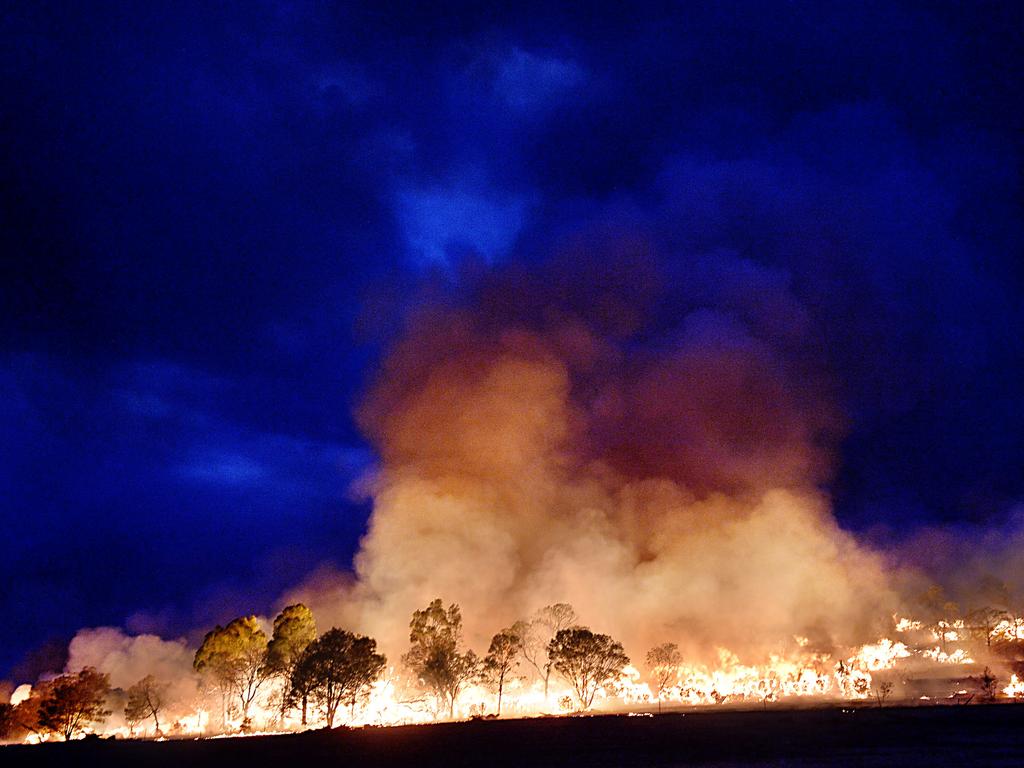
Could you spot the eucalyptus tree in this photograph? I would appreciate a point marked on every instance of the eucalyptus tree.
(588, 661)
(435, 655)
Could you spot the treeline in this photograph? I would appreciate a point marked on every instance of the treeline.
(297, 670)
(996, 619)
(551, 642)
(336, 668)
(322, 673)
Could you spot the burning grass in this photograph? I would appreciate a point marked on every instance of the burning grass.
(922, 736)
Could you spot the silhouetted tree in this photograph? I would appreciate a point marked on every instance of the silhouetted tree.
(586, 660)
(989, 684)
(939, 612)
(294, 630)
(882, 692)
(146, 698)
(501, 660)
(338, 668)
(73, 702)
(134, 713)
(983, 621)
(538, 632)
(301, 683)
(435, 656)
(664, 661)
(235, 657)
(999, 596)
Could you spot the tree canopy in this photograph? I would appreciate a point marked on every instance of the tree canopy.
(435, 655)
(73, 702)
(663, 661)
(294, 630)
(146, 698)
(537, 633)
(338, 668)
(586, 660)
(235, 656)
(501, 660)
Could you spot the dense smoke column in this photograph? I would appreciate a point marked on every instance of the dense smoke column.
(646, 447)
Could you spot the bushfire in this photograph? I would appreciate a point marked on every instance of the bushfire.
(252, 677)
(628, 510)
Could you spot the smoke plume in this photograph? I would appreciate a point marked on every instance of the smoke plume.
(553, 437)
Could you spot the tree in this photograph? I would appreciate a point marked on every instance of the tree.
(998, 595)
(338, 668)
(882, 692)
(983, 621)
(436, 658)
(586, 660)
(134, 713)
(989, 684)
(537, 634)
(74, 701)
(235, 657)
(501, 660)
(664, 661)
(294, 630)
(939, 612)
(146, 698)
(301, 684)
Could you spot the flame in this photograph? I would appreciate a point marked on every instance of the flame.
(959, 656)
(1015, 688)
(799, 672)
(904, 624)
(1009, 630)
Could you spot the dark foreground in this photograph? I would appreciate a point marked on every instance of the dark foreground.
(925, 736)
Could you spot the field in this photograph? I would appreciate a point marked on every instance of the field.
(905, 737)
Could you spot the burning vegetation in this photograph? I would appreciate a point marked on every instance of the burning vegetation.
(621, 513)
(244, 682)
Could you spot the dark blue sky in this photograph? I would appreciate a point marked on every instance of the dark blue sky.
(213, 219)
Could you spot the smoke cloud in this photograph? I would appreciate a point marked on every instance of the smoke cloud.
(128, 659)
(551, 438)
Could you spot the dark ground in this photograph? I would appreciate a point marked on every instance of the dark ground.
(904, 737)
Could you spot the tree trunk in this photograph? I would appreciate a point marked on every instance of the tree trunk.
(304, 699)
(501, 686)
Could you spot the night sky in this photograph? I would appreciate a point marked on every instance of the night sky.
(215, 219)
